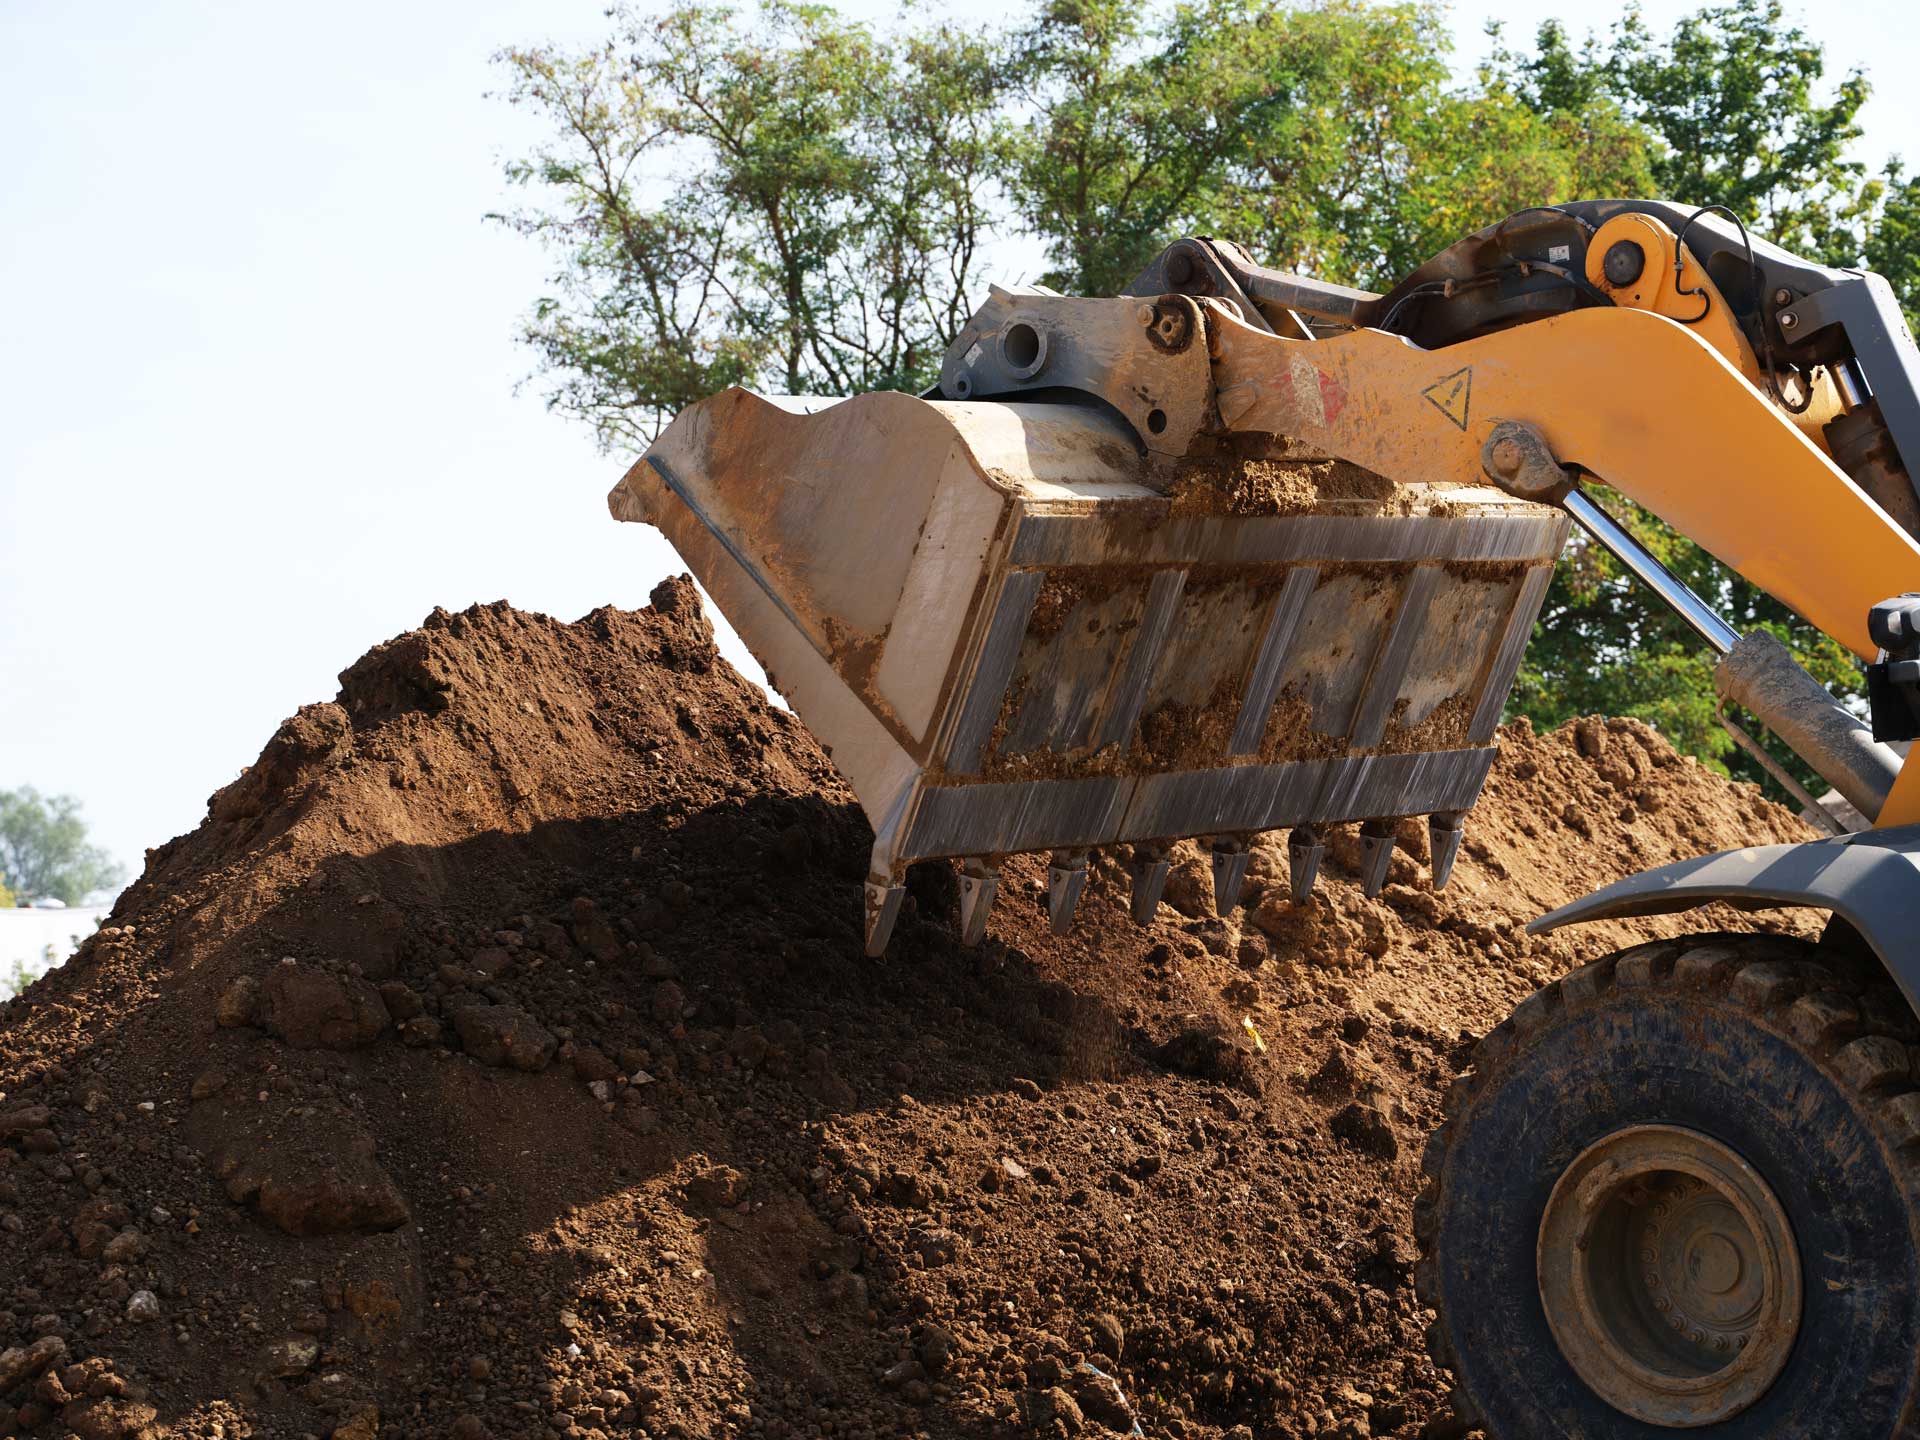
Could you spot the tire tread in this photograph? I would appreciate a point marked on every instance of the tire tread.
(1855, 1025)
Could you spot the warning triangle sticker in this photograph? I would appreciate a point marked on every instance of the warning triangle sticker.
(1450, 395)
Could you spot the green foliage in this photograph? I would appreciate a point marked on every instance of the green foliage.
(44, 851)
(1890, 242)
(1328, 139)
(1148, 125)
(795, 202)
(1732, 103)
(1733, 94)
(789, 200)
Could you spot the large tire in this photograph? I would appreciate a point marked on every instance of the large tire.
(1795, 1061)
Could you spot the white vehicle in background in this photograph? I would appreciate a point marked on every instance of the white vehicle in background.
(37, 935)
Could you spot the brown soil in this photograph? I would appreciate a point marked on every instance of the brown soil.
(1276, 475)
(499, 1058)
(1268, 486)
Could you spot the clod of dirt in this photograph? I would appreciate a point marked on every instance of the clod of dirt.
(1284, 479)
(1366, 1128)
(504, 1035)
(499, 1057)
(313, 1010)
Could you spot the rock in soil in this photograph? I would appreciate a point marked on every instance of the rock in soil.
(285, 1149)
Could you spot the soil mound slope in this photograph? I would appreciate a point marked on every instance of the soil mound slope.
(499, 1058)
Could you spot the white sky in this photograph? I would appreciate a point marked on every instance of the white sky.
(257, 366)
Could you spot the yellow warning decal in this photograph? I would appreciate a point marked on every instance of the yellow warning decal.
(1451, 395)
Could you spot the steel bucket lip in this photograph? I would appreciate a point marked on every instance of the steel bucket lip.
(783, 509)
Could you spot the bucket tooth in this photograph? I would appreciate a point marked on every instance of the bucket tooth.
(1305, 849)
(1230, 861)
(1444, 830)
(979, 882)
(1150, 866)
(1066, 878)
(1376, 853)
(883, 908)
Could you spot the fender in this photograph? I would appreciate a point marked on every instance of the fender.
(1871, 880)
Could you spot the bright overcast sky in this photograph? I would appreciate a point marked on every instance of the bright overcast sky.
(257, 372)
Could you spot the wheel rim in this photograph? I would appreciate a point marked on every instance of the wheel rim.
(1669, 1275)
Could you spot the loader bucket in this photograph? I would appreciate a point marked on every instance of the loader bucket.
(1008, 640)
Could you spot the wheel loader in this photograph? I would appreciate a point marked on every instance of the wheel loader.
(1237, 551)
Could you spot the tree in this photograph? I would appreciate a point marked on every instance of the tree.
(1139, 121)
(792, 202)
(44, 852)
(1890, 238)
(1328, 139)
(1732, 105)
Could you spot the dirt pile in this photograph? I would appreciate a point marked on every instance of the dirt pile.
(499, 1058)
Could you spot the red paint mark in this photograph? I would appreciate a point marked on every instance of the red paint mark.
(1333, 395)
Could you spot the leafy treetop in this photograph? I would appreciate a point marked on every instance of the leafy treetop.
(44, 852)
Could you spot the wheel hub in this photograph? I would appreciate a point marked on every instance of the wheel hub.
(1669, 1275)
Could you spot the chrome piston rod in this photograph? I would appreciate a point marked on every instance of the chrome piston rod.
(1760, 674)
(1650, 572)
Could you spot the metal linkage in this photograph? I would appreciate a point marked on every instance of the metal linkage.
(1761, 676)
(1811, 810)
(1865, 311)
(1222, 270)
(1755, 671)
